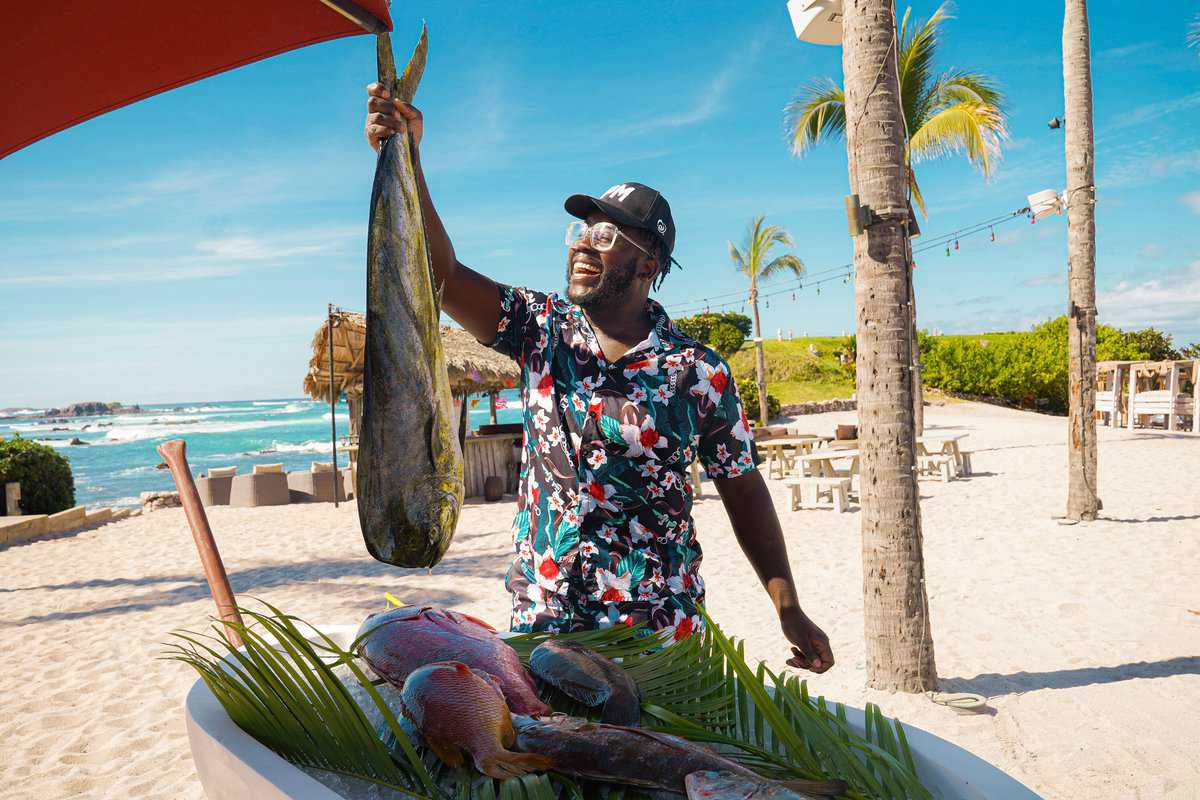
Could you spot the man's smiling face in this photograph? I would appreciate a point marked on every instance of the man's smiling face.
(597, 278)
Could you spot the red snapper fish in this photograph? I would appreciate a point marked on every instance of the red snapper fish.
(457, 708)
(398, 642)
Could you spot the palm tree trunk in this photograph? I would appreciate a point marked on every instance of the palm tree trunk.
(760, 366)
(918, 389)
(1082, 501)
(899, 644)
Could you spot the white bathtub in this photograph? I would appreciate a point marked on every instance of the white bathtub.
(234, 766)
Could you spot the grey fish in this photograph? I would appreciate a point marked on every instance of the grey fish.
(727, 786)
(590, 678)
(639, 757)
(410, 475)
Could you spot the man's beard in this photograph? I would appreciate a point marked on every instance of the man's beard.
(615, 281)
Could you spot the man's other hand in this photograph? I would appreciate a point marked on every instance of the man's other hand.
(387, 117)
(810, 645)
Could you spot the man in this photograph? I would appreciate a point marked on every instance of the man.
(617, 403)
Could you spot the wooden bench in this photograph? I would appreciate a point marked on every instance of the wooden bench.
(940, 465)
(808, 493)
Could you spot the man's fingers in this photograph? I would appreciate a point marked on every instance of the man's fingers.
(386, 121)
(407, 111)
(381, 105)
(377, 90)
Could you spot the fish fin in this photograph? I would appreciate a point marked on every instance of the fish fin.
(622, 709)
(450, 755)
(504, 764)
(508, 736)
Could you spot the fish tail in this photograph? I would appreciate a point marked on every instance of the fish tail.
(504, 764)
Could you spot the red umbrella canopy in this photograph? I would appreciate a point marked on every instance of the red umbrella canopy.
(68, 61)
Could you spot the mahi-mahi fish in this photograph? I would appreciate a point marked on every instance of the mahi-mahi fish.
(410, 478)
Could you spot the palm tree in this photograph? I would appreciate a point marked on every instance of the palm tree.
(753, 263)
(1082, 502)
(955, 111)
(899, 643)
(945, 113)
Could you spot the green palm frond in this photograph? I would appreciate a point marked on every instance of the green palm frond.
(818, 113)
(788, 263)
(282, 689)
(918, 51)
(963, 127)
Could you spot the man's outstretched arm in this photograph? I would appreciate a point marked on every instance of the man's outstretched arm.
(756, 525)
(471, 299)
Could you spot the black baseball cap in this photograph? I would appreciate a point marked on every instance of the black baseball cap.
(635, 205)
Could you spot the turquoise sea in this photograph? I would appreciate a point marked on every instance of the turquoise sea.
(118, 462)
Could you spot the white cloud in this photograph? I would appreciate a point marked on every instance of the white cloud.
(711, 99)
(1152, 111)
(1192, 201)
(1169, 300)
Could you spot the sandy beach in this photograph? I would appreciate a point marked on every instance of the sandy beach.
(1082, 637)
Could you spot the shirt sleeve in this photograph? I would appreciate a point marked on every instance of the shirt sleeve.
(727, 447)
(519, 320)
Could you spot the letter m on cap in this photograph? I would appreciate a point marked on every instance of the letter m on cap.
(619, 192)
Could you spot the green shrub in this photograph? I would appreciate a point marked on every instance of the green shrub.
(1019, 367)
(748, 389)
(700, 326)
(725, 339)
(47, 486)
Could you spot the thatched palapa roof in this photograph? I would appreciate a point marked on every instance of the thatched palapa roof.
(471, 366)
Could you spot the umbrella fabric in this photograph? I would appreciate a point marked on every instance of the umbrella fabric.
(68, 61)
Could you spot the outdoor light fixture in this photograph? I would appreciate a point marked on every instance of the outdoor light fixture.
(817, 21)
(1045, 203)
(1055, 123)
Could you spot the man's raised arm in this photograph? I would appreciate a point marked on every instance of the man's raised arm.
(471, 299)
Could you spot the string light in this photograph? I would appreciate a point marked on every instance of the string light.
(956, 244)
(947, 251)
(993, 230)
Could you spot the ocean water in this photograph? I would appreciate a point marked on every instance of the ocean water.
(118, 462)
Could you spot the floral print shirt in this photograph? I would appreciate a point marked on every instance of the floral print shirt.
(603, 533)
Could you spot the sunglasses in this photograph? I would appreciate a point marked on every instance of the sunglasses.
(601, 236)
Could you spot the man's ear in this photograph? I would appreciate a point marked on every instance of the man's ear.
(649, 269)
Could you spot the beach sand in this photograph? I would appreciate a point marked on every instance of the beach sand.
(1080, 636)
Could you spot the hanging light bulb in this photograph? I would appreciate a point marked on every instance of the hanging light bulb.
(956, 244)
(768, 302)
(947, 251)
(993, 230)
(793, 297)
(818, 291)
(847, 279)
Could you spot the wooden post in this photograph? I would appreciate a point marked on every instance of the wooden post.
(174, 453)
(12, 499)
(1131, 417)
(337, 476)
(1196, 396)
(492, 405)
(1172, 390)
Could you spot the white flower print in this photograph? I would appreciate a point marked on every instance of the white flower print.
(612, 588)
(540, 418)
(650, 469)
(741, 430)
(608, 533)
(571, 517)
(556, 502)
(684, 625)
(588, 549)
(596, 494)
(654, 491)
(681, 583)
(647, 365)
(712, 381)
(638, 532)
(589, 384)
(722, 452)
(597, 458)
(637, 395)
(546, 570)
(554, 436)
(540, 391)
(641, 440)
(663, 393)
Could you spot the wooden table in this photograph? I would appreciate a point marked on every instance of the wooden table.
(819, 463)
(781, 452)
(930, 448)
(817, 478)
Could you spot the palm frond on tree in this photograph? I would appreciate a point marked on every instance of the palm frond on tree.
(282, 689)
(947, 113)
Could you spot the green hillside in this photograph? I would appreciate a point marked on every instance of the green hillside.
(794, 374)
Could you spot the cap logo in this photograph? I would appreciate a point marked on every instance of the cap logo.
(662, 226)
(619, 192)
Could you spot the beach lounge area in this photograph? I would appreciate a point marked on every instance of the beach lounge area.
(1082, 638)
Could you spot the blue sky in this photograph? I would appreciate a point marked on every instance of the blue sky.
(184, 248)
